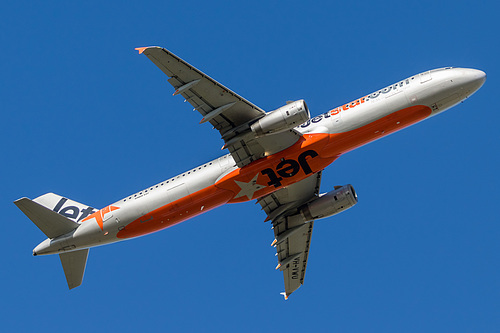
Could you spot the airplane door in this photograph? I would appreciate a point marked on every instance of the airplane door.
(224, 162)
(426, 76)
(178, 192)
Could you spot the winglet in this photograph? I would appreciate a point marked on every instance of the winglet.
(140, 49)
(285, 295)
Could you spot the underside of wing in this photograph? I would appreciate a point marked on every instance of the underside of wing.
(228, 112)
(291, 230)
(217, 104)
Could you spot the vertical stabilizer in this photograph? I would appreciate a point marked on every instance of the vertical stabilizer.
(73, 210)
(74, 266)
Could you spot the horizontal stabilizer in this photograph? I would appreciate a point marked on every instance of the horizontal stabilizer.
(74, 266)
(51, 223)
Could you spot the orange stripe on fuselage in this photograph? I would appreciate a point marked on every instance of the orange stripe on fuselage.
(341, 143)
(99, 215)
(328, 146)
(177, 212)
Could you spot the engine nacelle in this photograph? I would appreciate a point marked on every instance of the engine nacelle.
(282, 119)
(330, 203)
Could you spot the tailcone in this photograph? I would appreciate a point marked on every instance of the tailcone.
(43, 248)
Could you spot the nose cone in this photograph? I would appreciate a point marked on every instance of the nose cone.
(473, 79)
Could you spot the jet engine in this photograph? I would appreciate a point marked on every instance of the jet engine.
(282, 119)
(331, 203)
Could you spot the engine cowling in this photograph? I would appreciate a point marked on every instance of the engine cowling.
(329, 204)
(282, 119)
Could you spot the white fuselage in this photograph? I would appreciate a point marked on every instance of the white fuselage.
(208, 186)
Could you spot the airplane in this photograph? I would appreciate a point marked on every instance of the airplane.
(276, 158)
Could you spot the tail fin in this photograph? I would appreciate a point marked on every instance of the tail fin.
(73, 210)
(73, 264)
(49, 222)
(53, 224)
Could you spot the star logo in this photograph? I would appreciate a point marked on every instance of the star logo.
(99, 215)
(249, 188)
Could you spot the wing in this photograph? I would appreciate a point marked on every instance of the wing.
(292, 233)
(228, 112)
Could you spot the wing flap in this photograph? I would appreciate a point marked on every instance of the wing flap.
(293, 252)
(294, 272)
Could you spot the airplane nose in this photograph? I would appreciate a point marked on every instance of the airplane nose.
(478, 76)
(474, 79)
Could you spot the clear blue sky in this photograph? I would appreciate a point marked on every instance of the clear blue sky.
(84, 116)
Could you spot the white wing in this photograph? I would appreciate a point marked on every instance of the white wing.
(292, 233)
(227, 111)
